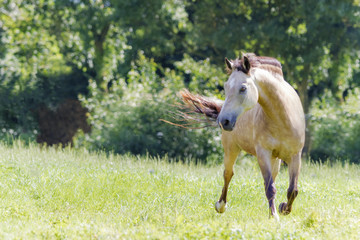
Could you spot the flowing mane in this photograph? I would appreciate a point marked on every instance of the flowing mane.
(270, 64)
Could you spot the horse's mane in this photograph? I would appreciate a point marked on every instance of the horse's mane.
(270, 64)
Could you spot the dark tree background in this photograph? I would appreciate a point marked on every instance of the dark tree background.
(53, 52)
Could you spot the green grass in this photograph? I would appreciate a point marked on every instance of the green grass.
(71, 194)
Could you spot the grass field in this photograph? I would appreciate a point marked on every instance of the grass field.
(68, 194)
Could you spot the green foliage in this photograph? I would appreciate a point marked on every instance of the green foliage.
(310, 38)
(49, 193)
(128, 118)
(202, 75)
(50, 50)
(336, 129)
(156, 27)
(19, 104)
(33, 69)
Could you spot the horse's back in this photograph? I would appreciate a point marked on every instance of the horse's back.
(285, 131)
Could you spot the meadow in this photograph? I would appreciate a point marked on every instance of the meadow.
(48, 193)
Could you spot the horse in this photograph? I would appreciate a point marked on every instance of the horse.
(261, 115)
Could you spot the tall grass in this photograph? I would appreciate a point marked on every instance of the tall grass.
(48, 193)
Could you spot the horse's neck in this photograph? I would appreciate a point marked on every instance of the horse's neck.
(272, 94)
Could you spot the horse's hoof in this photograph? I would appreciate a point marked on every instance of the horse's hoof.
(276, 217)
(283, 209)
(220, 206)
(273, 215)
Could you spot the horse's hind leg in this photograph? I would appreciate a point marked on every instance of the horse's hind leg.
(294, 170)
(269, 167)
(231, 153)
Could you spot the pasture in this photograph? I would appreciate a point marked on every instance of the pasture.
(72, 194)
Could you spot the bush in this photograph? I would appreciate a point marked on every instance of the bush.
(336, 129)
(22, 99)
(127, 118)
(202, 76)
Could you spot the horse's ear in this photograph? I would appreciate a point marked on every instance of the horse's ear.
(229, 64)
(246, 64)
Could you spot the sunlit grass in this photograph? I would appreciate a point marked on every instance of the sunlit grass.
(67, 194)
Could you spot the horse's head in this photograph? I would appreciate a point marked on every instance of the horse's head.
(241, 93)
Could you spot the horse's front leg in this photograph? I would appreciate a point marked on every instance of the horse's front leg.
(231, 153)
(269, 167)
(294, 170)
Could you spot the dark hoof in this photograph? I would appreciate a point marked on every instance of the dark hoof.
(283, 209)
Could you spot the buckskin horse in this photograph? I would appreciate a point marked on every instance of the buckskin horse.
(262, 115)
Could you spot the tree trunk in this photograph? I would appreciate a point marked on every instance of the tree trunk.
(304, 97)
(99, 55)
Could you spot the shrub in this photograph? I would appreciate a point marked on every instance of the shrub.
(127, 118)
(21, 100)
(336, 129)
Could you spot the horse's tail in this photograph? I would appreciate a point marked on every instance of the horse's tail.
(195, 110)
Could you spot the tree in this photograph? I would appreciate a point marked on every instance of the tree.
(315, 40)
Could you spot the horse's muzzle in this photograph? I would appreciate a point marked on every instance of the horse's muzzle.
(226, 123)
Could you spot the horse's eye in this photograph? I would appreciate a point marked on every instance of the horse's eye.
(242, 89)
